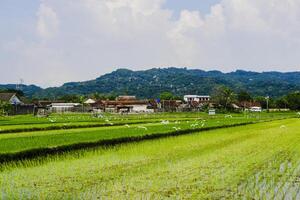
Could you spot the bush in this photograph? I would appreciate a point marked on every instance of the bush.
(5, 108)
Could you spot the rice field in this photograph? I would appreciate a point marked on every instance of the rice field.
(158, 156)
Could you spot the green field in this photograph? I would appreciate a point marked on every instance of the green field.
(156, 156)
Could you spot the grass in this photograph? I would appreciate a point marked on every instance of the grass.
(27, 123)
(259, 161)
(40, 141)
(21, 145)
(73, 153)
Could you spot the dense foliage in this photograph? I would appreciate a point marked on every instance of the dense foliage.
(293, 100)
(5, 107)
(224, 97)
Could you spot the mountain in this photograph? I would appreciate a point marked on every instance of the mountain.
(28, 90)
(179, 81)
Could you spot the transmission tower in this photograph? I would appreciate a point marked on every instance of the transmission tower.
(19, 85)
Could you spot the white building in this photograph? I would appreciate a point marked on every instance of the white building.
(196, 98)
(255, 109)
(63, 107)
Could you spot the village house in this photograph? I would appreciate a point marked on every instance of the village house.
(127, 104)
(19, 105)
(45, 107)
(246, 105)
(90, 102)
(11, 98)
(65, 107)
(170, 105)
(197, 98)
(196, 102)
(126, 98)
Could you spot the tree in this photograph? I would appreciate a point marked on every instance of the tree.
(111, 96)
(293, 100)
(266, 103)
(95, 95)
(5, 108)
(166, 96)
(18, 92)
(281, 102)
(224, 97)
(244, 96)
(72, 98)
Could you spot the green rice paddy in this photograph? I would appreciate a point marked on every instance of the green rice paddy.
(156, 156)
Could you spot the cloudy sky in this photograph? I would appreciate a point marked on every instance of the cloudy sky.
(49, 42)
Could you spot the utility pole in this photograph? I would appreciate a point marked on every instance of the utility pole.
(267, 98)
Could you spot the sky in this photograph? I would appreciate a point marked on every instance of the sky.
(50, 42)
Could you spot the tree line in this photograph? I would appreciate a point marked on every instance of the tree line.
(225, 98)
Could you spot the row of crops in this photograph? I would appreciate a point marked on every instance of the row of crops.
(137, 156)
(258, 161)
(19, 144)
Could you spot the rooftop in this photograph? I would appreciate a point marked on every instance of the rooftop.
(6, 96)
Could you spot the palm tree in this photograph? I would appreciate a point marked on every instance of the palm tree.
(224, 97)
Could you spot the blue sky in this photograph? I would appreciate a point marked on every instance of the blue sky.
(199, 5)
(49, 42)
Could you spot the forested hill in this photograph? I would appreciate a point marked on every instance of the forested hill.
(179, 81)
(28, 90)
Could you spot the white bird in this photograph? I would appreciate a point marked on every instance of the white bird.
(165, 122)
(282, 126)
(143, 127)
(127, 125)
(177, 128)
(228, 116)
(194, 125)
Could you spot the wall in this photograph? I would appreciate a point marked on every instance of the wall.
(141, 108)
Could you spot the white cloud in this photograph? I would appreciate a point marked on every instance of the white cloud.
(47, 24)
(79, 40)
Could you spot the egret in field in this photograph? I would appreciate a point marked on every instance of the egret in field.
(143, 127)
(165, 122)
(100, 116)
(194, 125)
(127, 125)
(282, 127)
(176, 128)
